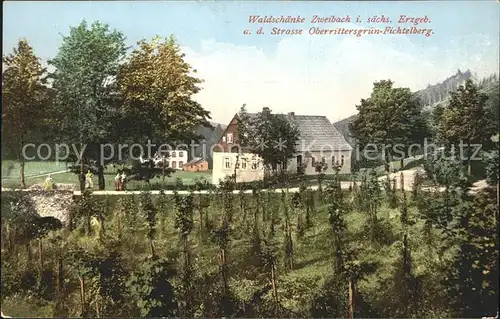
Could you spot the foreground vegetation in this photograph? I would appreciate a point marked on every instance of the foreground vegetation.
(325, 253)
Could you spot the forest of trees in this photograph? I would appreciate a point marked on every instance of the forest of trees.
(99, 94)
(435, 95)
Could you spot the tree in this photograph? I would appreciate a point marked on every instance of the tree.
(467, 120)
(149, 211)
(24, 99)
(152, 288)
(272, 136)
(390, 116)
(155, 96)
(86, 67)
(473, 278)
(156, 87)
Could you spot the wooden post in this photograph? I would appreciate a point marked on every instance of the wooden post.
(351, 298)
(82, 295)
(40, 259)
(118, 227)
(402, 182)
(59, 275)
(273, 283)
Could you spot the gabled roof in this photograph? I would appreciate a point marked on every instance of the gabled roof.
(194, 161)
(316, 133)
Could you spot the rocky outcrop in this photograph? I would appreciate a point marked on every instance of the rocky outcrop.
(54, 203)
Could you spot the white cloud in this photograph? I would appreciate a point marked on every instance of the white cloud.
(326, 75)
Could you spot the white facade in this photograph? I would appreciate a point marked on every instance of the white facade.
(342, 158)
(248, 167)
(176, 158)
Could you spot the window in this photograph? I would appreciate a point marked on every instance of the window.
(173, 154)
(313, 161)
(342, 160)
(323, 160)
(174, 164)
(243, 163)
(333, 161)
(230, 138)
(180, 164)
(254, 164)
(227, 163)
(181, 154)
(224, 138)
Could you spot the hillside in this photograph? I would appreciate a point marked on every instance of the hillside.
(433, 95)
(343, 127)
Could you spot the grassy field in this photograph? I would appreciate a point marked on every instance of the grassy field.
(10, 178)
(36, 172)
(10, 169)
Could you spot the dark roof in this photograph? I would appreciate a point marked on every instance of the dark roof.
(316, 133)
(194, 161)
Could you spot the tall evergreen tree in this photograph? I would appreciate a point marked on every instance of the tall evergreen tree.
(25, 99)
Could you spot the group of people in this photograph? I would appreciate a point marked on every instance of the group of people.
(120, 180)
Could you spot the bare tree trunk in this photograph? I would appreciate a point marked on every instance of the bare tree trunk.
(387, 162)
(60, 275)
(469, 165)
(97, 312)
(163, 168)
(82, 295)
(82, 173)
(402, 182)
(498, 198)
(59, 310)
(118, 228)
(153, 254)
(28, 249)
(21, 173)
(40, 260)
(70, 219)
(351, 298)
(224, 271)
(273, 284)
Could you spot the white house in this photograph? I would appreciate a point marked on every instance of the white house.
(248, 167)
(319, 141)
(174, 159)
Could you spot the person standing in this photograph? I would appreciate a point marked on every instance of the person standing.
(118, 183)
(49, 183)
(123, 181)
(88, 180)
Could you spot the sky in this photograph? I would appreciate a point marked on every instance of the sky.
(307, 74)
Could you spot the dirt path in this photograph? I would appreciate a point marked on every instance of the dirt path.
(408, 177)
(39, 175)
(343, 185)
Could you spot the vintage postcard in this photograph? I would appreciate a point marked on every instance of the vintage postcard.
(250, 159)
